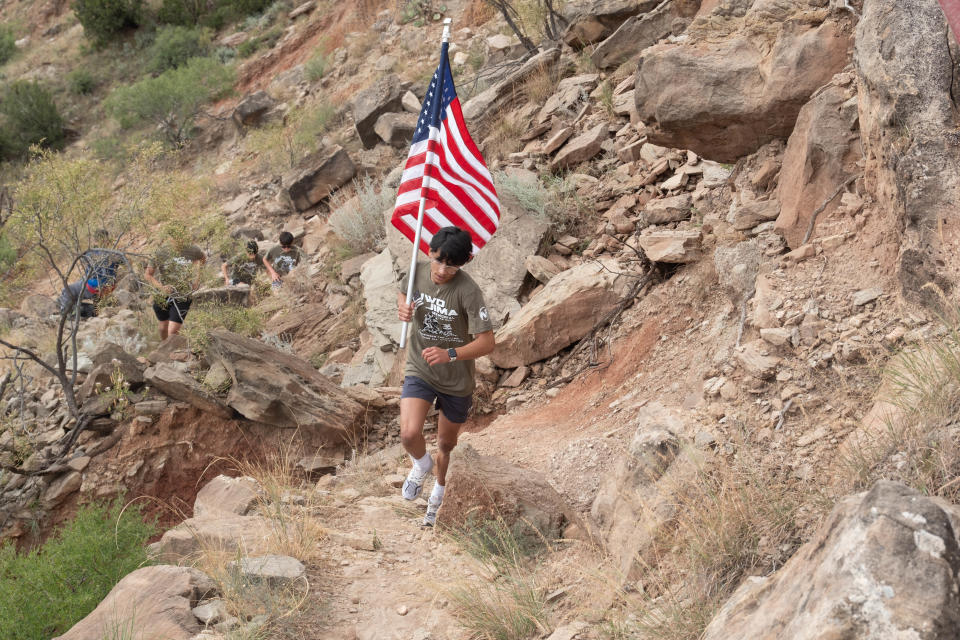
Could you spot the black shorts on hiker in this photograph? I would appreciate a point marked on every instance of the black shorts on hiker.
(175, 311)
(455, 408)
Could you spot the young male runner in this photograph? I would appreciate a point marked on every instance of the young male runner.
(451, 328)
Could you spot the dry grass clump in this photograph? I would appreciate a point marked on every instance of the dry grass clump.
(509, 602)
(541, 84)
(731, 520)
(916, 439)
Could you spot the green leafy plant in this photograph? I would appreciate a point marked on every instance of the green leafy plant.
(264, 41)
(281, 145)
(316, 66)
(81, 82)
(53, 587)
(104, 19)
(206, 317)
(174, 45)
(28, 116)
(173, 99)
(8, 44)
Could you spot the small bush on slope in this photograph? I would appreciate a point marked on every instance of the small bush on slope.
(104, 19)
(173, 99)
(52, 588)
(175, 45)
(28, 116)
(8, 44)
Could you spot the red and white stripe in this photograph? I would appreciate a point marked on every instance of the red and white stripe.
(458, 187)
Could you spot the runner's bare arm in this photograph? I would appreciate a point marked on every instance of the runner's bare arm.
(148, 275)
(481, 345)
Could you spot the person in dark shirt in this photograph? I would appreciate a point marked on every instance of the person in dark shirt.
(99, 267)
(243, 268)
(281, 259)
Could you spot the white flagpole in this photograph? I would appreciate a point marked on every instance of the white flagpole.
(423, 200)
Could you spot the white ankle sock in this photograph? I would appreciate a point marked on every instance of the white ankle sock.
(425, 463)
(437, 494)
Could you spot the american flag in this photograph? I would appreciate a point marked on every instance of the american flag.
(445, 167)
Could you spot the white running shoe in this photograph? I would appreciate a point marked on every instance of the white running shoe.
(413, 485)
(432, 507)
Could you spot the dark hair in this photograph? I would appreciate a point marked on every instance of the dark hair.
(453, 246)
(101, 235)
(286, 238)
(252, 246)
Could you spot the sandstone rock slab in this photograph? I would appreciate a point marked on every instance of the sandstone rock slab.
(672, 246)
(152, 602)
(883, 565)
(224, 494)
(383, 96)
(567, 308)
(582, 148)
(323, 173)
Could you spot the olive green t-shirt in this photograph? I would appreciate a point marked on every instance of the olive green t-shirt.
(178, 269)
(445, 316)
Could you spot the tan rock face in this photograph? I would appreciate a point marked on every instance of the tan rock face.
(382, 97)
(757, 82)
(906, 105)
(486, 487)
(277, 388)
(224, 494)
(581, 148)
(821, 154)
(884, 565)
(195, 536)
(672, 246)
(152, 602)
(562, 313)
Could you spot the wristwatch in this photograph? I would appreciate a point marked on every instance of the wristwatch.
(452, 353)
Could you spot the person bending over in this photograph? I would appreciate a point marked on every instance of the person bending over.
(174, 273)
(281, 259)
(450, 329)
(243, 267)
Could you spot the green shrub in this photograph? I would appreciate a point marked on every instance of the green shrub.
(316, 66)
(28, 116)
(8, 254)
(81, 82)
(8, 44)
(175, 45)
(206, 317)
(265, 41)
(172, 99)
(55, 586)
(214, 14)
(103, 19)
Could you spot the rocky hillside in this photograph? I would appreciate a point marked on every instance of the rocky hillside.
(723, 402)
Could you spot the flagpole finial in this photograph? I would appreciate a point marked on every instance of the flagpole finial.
(446, 29)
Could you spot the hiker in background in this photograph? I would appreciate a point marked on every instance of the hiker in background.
(281, 259)
(174, 272)
(451, 328)
(99, 267)
(242, 268)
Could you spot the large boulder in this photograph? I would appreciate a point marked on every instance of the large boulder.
(908, 121)
(251, 110)
(383, 96)
(224, 494)
(494, 99)
(218, 532)
(821, 154)
(396, 129)
(565, 310)
(235, 295)
(172, 380)
(677, 247)
(743, 86)
(884, 565)
(499, 268)
(481, 488)
(632, 501)
(592, 21)
(582, 148)
(321, 174)
(152, 602)
(277, 388)
(380, 286)
(644, 30)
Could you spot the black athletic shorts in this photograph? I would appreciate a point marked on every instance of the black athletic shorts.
(455, 408)
(175, 311)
